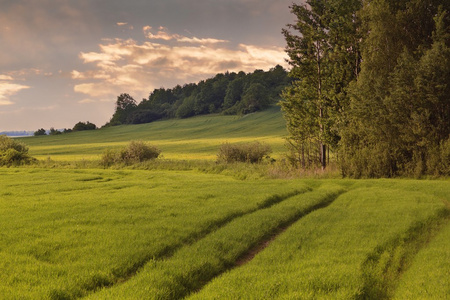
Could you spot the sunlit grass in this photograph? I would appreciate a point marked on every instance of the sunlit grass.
(136, 233)
(67, 232)
(193, 138)
(343, 251)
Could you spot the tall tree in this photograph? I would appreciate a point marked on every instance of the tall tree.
(323, 51)
(400, 99)
(125, 104)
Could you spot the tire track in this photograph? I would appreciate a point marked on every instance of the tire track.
(249, 253)
(247, 257)
(168, 251)
(384, 267)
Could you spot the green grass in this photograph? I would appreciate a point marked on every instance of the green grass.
(191, 266)
(70, 232)
(184, 226)
(428, 277)
(325, 255)
(192, 138)
(159, 234)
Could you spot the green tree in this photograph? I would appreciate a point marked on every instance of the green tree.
(81, 126)
(400, 103)
(53, 131)
(125, 105)
(254, 98)
(40, 132)
(323, 51)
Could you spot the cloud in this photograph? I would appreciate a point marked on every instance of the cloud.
(165, 59)
(125, 25)
(6, 77)
(161, 34)
(8, 89)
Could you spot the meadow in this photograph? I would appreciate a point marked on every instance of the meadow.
(197, 138)
(184, 227)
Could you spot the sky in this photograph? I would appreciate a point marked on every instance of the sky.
(65, 61)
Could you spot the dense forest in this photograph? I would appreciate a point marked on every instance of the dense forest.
(371, 86)
(229, 93)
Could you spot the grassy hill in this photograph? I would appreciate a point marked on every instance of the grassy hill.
(193, 138)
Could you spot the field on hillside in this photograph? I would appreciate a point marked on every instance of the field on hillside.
(192, 138)
(136, 234)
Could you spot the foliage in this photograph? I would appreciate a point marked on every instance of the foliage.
(229, 93)
(371, 84)
(81, 126)
(249, 152)
(53, 131)
(125, 105)
(13, 152)
(399, 122)
(134, 152)
(40, 132)
(324, 55)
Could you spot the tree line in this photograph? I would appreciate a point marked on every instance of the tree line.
(371, 86)
(228, 93)
(80, 126)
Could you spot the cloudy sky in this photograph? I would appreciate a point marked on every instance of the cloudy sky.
(64, 61)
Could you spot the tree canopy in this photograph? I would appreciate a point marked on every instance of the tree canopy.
(372, 84)
(228, 93)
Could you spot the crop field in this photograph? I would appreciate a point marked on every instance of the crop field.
(152, 234)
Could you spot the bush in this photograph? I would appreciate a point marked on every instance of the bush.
(249, 152)
(134, 152)
(13, 152)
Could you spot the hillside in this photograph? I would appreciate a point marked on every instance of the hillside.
(192, 138)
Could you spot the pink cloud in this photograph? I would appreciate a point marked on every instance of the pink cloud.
(137, 68)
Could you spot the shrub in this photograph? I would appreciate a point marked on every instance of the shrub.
(249, 152)
(134, 152)
(13, 152)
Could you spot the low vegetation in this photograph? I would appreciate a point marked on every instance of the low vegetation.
(191, 139)
(148, 234)
(248, 152)
(134, 152)
(356, 248)
(13, 153)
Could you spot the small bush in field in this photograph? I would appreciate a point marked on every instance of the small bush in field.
(134, 152)
(249, 152)
(13, 152)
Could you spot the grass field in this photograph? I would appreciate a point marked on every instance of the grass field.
(136, 234)
(184, 227)
(193, 138)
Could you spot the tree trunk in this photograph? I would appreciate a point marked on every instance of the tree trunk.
(323, 158)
